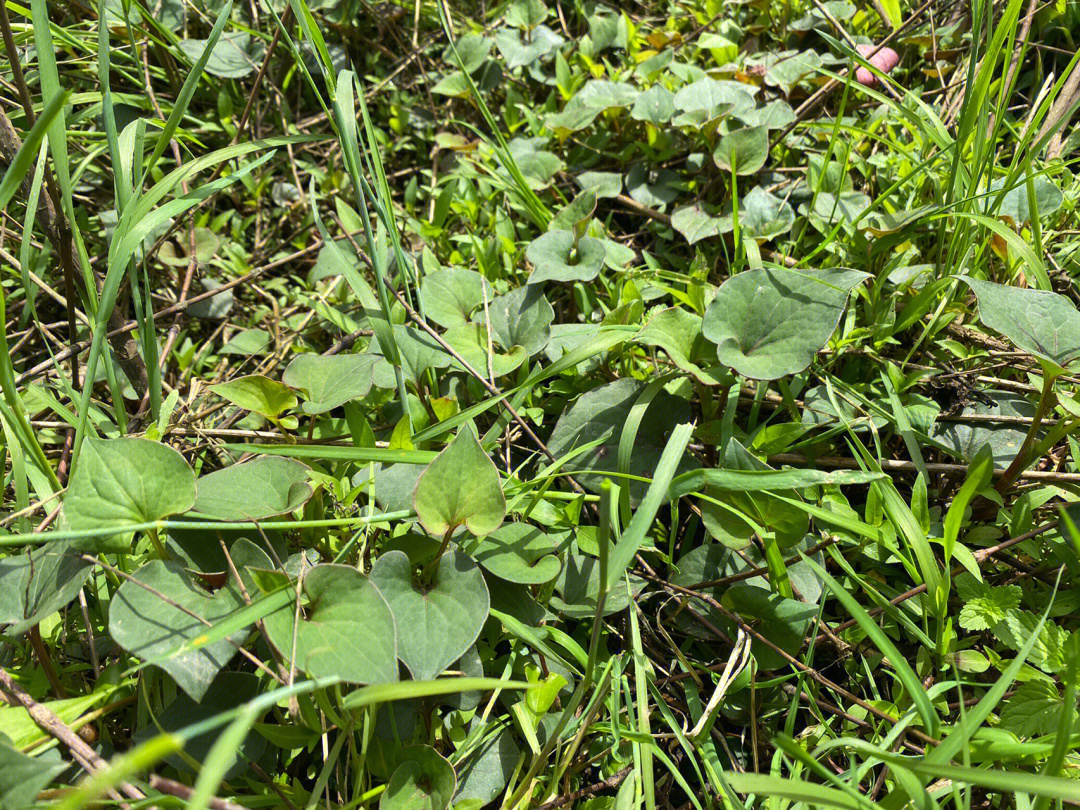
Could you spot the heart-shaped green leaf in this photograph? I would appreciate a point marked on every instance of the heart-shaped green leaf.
(436, 623)
(460, 487)
(1004, 439)
(36, 583)
(770, 322)
(763, 215)
(656, 105)
(423, 780)
(257, 393)
(600, 414)
(573, 216)
(578, 588)
(743, 151)
(678, 333)
(554, 258)
(1040, 322)
(330, 381)
(118, 482)
(148, 627)
(487, 773)
(1014, 204)
(264, 487)
(735, 518)
(694, 223)
(418, 354)
(450, 295)
(520, 553)
(523, 318)
(235, 55)
(471, 342)
(712, 98)
(347, 629)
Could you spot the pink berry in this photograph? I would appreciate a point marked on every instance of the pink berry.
(884, 60)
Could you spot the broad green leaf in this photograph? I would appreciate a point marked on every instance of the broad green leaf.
(743, 151)
(487, 771)
(694, 224)
(346, 629)
(460, 487)
(257, 393)
(654, 188)
(555, 258)
(418, 354)
(449, 296)
(1004, 439)
(235, 55)
(471, 342)
(782, 621)
(148, 627)
(118, 482)
(576, 214)
(264, 487)
(603, 94)
(1040, 322)
(777, 114)
(38, 582)
(1034, 709)
(518, 552)
(605, 184)
(736, 516)
(247, 342)
(713, 98)
(23, 777)
(578, 589)
(1048, 198)
(436, 623)
(423, 780)
(1018, 626)
(330, 381)
(770, 322)
(600, 415)
(764, 216)
(523, 318)
(519, 53)
(678, 333)
(656, 105)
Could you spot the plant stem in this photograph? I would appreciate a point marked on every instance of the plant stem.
(429, 569)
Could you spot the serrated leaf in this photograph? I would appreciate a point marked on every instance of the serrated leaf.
(1034, 709)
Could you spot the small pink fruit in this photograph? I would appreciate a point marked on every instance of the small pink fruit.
(884, 60)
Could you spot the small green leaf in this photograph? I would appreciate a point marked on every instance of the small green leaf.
(519, 553)
(422, 780)
(264, 487)
(346, 630)
(743, 151)
(330, 381)
(460, 487)
(37, 583)
(257, 393)
(449, 296)
(678, 333)
(436, 623)
(770, 322)
(235, 55)
(522, 318)
(554, 257)
(118, 482)
(694, 224)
